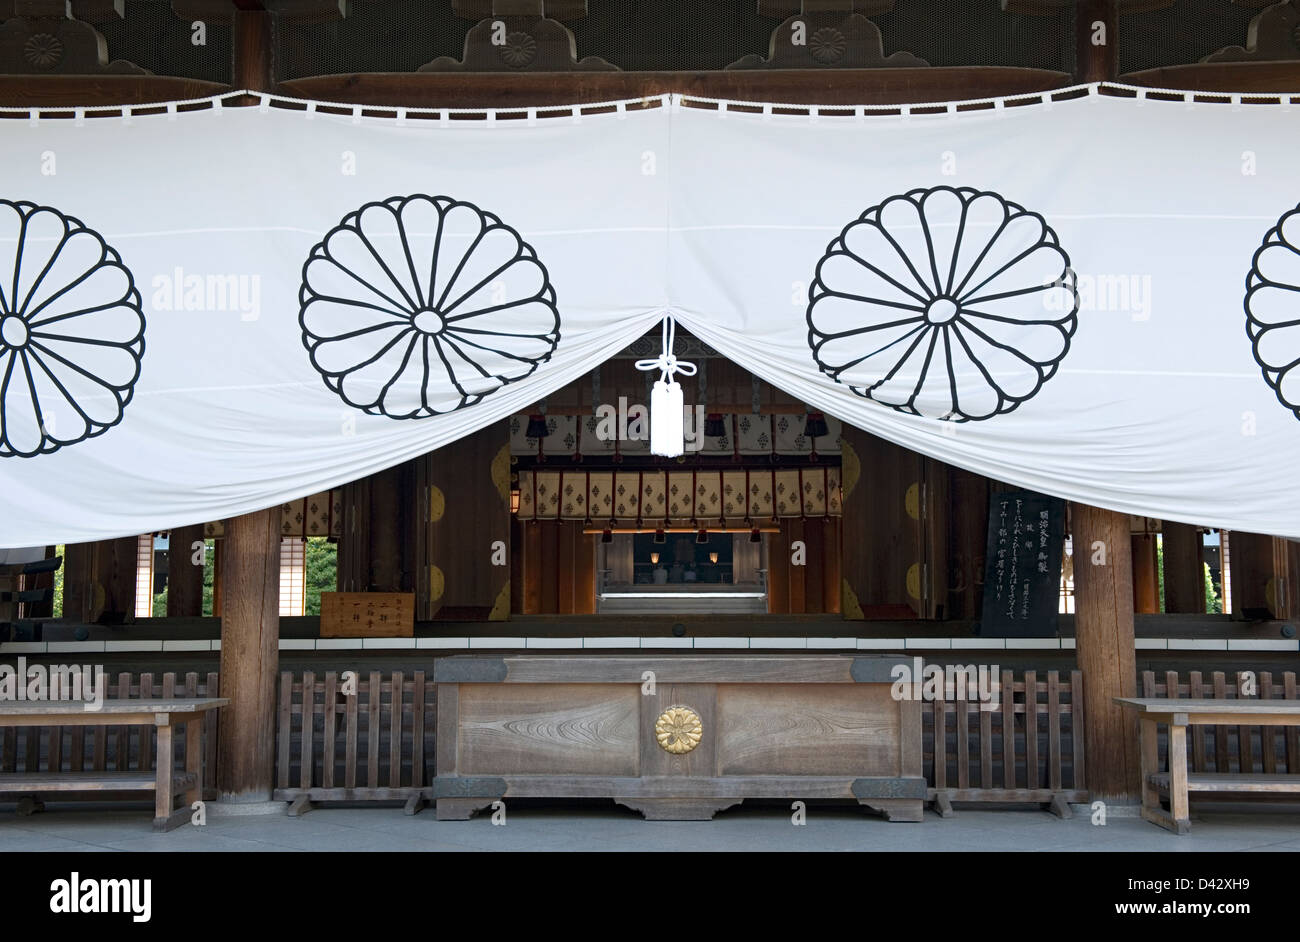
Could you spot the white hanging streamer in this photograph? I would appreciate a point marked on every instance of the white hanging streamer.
(666, 399)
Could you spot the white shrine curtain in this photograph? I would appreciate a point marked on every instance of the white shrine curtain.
(205, 313)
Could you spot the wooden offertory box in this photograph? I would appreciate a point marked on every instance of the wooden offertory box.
(676, 738)
(367, 614)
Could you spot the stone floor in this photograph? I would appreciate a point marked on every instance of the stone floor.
(599, 826)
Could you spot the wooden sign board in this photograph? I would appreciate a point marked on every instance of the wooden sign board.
(367, 614)
(1022, 575)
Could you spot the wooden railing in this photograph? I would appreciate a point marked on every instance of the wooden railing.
(1027, 748)
(113, 748)
(1244, 748)
(372, 745)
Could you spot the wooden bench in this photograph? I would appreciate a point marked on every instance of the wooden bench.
(165, 782)
(1177, 782)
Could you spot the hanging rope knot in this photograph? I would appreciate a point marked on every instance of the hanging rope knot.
(667, 363)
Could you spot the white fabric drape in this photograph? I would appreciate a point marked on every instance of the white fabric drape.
(211, 312)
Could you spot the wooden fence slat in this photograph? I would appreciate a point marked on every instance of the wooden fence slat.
(1077, 735)
(1267, 734)
(417, 730)
(1032, 779)
(1220, 732)
(1245, 757)
(1293, 732)
(1171, 689)
(395, 732)
(211, 728)
(961, 719)
(940, 742)
(373, 731)
(986, 744)
(1198, 734)
(1008, 694)
(306, 756)
(8, 749)
(350, 750)
(1149, 684)
(286, 731)
(1054, 730)
(123, 732)
(146, 735)
(328, 738)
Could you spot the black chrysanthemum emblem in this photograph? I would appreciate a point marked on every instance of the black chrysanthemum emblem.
(422, 305)
(949, 303)
(71, 331)
(1273, 309)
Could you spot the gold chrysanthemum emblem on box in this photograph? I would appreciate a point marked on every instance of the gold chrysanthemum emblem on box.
(679, 730)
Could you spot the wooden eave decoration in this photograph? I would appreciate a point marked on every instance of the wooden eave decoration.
(780, 9)
(551, 9)
(49, 46)
(519, 44)
(828, 41)
(1273, 36)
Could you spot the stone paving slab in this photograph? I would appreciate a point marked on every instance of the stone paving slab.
(596, 826)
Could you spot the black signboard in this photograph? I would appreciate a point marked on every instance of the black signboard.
(1022, 571)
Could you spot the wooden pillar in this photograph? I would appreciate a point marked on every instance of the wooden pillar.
(968, 522)
(385, 533)
(184, 576)
(1184, 568)
(1096, 42)
(881, 530)
(462, 561)
(251, 44)
(99, 578)
(1103, 626)
(1251, 569)
(1146, 579)
(78, 581)
(250, 638)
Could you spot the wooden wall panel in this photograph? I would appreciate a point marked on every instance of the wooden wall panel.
(881, 537)
(1251, 571)
(462, 511)
(1184, 568)
(968, 521)
(1146, 587)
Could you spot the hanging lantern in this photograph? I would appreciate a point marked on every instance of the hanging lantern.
(660, 536)
(537, 427)
(667, 437)
(714, 426)
(702, 535)
(813, 428)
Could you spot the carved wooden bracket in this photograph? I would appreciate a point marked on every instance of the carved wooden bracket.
(519, 44)
(57, 46)
(780, 9)
(828, 41)
(1274, 35)
(551, 9)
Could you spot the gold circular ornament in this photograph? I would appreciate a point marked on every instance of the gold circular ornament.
(679, 730)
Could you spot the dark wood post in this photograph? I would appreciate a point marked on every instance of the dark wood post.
(1146, 574)
(1251, 566)
(1184, 568)
(462, 543)
(252, 65)
(1096, 40)
(184, 576)
(386, 531)
(250, 637)
(1103, 625)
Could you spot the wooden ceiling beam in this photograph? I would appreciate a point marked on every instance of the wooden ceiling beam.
(520, 90)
